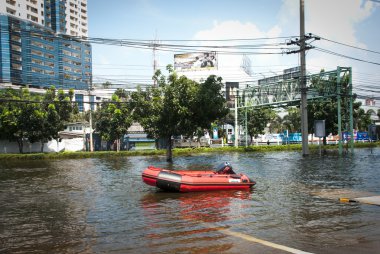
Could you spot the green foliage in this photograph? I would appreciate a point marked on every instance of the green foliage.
(33, 117)
(276, 125)
(361, 118)
(328, 108)
(292, 121)
(183, 151)
(16, 116)
(178, 106)
(258, 119)
(114, 118)
(106, 85)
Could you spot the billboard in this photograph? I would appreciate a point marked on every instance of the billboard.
(196, 61)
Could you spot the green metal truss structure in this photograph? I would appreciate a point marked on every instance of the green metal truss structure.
(284, 93)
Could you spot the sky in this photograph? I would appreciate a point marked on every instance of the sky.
(195, 23)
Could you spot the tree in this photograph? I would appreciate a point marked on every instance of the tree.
(361, 119)
(33, 118)
(38, 121)
(258, 119)
(178, 106)
(323, 110)
(327, 109)
(113, 119)
(275, 125)
(292, 121)
(15, 116)
(58, 108)
(107, 85)
(209, 95)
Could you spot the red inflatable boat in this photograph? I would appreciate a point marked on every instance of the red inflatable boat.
(185, 181)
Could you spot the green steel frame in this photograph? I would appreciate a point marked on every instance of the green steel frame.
(286, 93)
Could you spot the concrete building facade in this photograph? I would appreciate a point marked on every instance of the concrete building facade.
(40, 43)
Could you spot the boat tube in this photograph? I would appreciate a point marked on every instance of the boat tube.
(224, 178)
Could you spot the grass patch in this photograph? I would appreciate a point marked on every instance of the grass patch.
(176, 152)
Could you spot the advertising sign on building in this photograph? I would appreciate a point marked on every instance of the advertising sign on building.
(196, 61)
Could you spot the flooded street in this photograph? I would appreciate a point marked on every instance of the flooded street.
(102, 206)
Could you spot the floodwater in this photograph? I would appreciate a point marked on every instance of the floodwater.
(102, 206)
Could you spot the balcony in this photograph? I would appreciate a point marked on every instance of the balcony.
(11, 11)
(32, 9)
(16, 48)
(37, 70)
(11, 2)
(37, 61)
(50, 56)
(16, 59)
(32, 18)
(16, 66)
(15, 38)
(36, 53)
(73, 26)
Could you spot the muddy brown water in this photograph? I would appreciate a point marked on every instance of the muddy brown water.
(102, 206)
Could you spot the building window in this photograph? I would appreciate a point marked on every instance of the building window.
(79, 101)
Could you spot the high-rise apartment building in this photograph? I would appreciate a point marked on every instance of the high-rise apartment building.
(40, 43)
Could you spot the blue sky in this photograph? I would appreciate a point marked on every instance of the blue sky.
(353, 22)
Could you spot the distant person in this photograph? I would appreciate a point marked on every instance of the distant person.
(208, 60)
(212, 61)
(198, 62)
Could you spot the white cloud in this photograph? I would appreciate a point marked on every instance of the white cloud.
(335, 20)
(229, 64)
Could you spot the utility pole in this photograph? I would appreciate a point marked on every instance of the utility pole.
(236, 122)
(304, 125)
(154, 46)
(154, 63)
(90, 103)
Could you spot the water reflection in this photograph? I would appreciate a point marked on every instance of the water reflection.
(40, 209)
(191, 219)
(102, 206)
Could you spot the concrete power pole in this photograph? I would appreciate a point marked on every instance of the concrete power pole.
(90, 120)
(304, 125)
(155, 44)
(154, 62)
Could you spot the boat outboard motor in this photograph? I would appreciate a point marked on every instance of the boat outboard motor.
(225, 168)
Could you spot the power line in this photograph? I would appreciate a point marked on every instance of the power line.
(147, 44)
(351, 46)
(345, 56)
